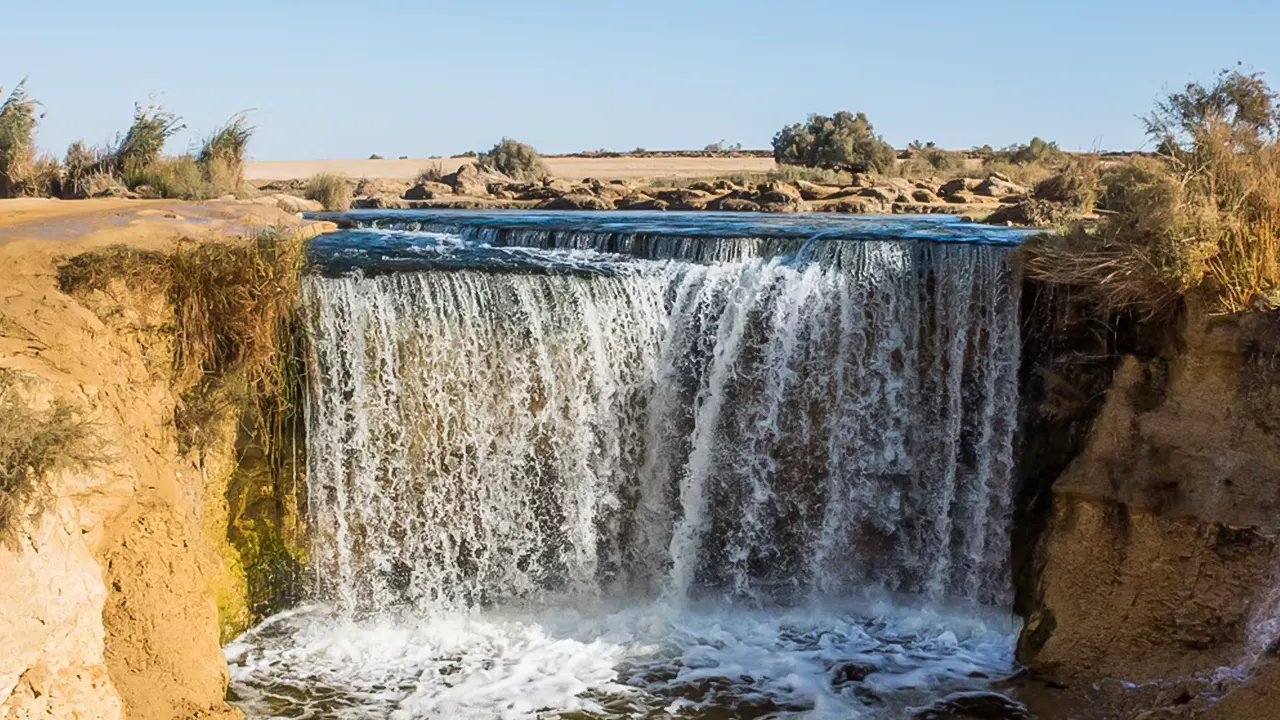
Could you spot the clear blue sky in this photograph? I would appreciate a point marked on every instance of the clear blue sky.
(346, 79)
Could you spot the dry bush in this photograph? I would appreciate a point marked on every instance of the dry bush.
(514, 159)
(143, 142)
(222, 154)
(1204, 217)
(332, 190)
(17, 142)
(32, 444)
(434, 172)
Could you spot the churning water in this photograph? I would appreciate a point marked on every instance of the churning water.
(612, 466)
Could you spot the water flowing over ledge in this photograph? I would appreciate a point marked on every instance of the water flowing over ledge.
(657, 431)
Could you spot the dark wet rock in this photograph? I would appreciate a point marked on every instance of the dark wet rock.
(539, 193)
(961, 197)
(976, 706)
(577, 200)
(851, 672)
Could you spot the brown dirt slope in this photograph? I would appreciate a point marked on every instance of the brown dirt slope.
(108, 599)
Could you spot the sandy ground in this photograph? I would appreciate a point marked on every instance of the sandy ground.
(570, 168)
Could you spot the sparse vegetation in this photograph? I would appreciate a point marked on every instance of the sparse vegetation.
(514, 159)
(332, 190)
(32, 444)
(17, 142)
(1201, 218)
(433, 172)
(844, 142)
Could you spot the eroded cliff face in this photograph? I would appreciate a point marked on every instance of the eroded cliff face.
(1157, 554)
(114, 589)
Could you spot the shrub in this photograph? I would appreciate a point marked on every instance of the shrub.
(332, 190)
(17, 140)
(79, 165)
(33, 443)
(221, 156)
(514, 159)
(843, 142)
(1203, 218)
(433, 172)
(144, 141)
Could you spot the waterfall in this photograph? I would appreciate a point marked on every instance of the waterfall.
(708, 419)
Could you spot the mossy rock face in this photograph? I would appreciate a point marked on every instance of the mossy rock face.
(266, 534)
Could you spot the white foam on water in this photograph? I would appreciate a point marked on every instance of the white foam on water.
(873, 661)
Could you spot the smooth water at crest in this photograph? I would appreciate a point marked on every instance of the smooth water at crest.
(697, 443)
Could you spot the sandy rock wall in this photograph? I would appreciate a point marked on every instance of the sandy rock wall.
(1158, 556)
(110, 604)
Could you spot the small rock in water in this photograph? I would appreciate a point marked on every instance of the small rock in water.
(852, 672)
(976, 706)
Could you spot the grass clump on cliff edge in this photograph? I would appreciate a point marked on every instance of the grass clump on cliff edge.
(33, 443)
(1203, 216)
(514, 159)
(332, 190)
(21, 173)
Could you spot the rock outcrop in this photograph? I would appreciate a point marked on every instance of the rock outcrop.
(1158, 553)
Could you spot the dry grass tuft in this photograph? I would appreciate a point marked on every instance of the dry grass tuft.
(235, 305)
(332, 190)
(32, 444)
(1203, 217)
(433, 172)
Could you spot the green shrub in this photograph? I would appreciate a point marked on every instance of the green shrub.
(17, 141)
(514, 159)
(332, 190)
(842, 142)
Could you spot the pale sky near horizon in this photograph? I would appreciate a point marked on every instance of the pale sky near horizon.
(342, 80)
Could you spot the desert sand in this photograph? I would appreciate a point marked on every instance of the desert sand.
(569, 168)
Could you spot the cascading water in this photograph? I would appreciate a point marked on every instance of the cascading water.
(624, 472)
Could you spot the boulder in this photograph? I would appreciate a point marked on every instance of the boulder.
(862, 180)
(291, 204)
(813, 191)
(539, 193)
(995, 187)
(577, 200)
(883, 194)
(468, 180)
(703, 186)
(923, 195)
(427, 191)
(684, 196)
(957, 185)
(730, 203)
(647, 203)
(725, 186)
(961, 197)
(853, 206)
(380, 202)
(777, 191)
(562, 186)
